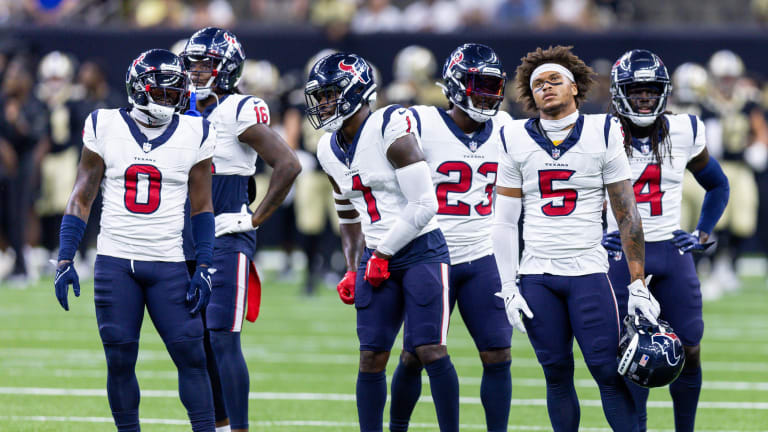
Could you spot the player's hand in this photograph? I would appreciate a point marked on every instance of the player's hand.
(514, 303)
(229, 223)
(200, 286)
(612, 243)
(640, 299)
(686, 242)
(377, 270)
(65, 276)
(346, 288)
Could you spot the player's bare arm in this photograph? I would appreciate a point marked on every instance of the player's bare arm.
(352, 239)
(510, 192)
(89, 175)
(630, 226)
(284, 163)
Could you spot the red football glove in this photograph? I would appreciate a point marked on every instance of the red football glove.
(346, 288)
(377, 270)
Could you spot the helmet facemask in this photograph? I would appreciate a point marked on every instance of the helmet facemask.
(480, 95)
(633, 107)
(327, 107)
(200, 66)
(160, 94)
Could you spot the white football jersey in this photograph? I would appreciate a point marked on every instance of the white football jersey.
(659, 187)
(563, 191)
(464, 173)
(145, 182)
(231, 117)
(365, 175)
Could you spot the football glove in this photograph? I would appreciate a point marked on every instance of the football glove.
(377, 270)
(514, 303)
(346, 288)
(230, 223)
(66, 276)
(612, 243)
(689, 242)
(200, 286)
(641, 300)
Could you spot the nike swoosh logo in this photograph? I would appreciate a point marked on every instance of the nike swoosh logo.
(402, 111)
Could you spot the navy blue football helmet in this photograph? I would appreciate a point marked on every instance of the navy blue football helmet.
(216, 52)
(157, 84)
(650, 355)
(639, 68)
(474, 80)
(337, 86)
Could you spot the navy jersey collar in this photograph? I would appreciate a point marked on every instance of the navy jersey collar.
(347, 157)
(141, 139)
(645, 147)
(209, 109)
(473, 142)
(556, 151)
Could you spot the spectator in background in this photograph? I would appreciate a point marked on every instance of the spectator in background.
(23, 143)
(280, 11)
(205, 13)
(436, 16)
(576, 14)
(518, 12)
(333, 15)
(377, 16)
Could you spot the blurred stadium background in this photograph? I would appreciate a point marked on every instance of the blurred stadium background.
(61, 59)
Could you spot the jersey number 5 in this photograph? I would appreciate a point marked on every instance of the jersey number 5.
(564, 200)
(142, 188)
(651, 193)
(462, 186)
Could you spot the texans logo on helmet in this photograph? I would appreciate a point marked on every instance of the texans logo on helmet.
(666, 341)
(232, 41)
(138, 59)
(354, 70)
(455, 60)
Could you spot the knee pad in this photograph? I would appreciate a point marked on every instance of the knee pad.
(188, 354)
(605, 374)
(559, 372)
(115, 335)
(121, 358)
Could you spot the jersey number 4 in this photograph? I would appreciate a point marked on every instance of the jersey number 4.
(464, 184)
(563, 200)
(142, 188)
(648, 188)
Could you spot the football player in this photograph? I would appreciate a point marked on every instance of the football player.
(661, 146)
(397, 258)
(461, 147)
(215, 60)
(145, 158)
(558, 166)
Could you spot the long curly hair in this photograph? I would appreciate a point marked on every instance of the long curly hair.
(561, 55)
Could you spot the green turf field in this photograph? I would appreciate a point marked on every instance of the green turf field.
(302, 355)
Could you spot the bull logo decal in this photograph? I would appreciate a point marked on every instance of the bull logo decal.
(669, 345)
(357, 70)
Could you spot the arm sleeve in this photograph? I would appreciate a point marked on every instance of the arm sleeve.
(397, 122)
(509, 174)
(207, 142)
(712, 178)
(415, 182)
(699, 138)
(616, 165)
(505, 237)
(89, 134)
(251, 111)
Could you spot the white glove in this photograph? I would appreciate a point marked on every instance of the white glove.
(514, 303)
(640, 299)
(229, 223)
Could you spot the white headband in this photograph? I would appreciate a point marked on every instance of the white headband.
(551, 67)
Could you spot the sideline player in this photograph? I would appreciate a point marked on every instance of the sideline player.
(397, 258)
(215, 60)
(558, 166)
(145, 158)
(461, 147)
(661, 146)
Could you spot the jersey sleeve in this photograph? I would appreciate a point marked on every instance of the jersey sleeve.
(397, 122)
(89, 134)
(207, 142)
(699, 137)
(251, 111)
(616, 165)
(509, 174)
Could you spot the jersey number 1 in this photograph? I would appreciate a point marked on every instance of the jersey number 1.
(652, 194)
(370, 201)
(142, 188)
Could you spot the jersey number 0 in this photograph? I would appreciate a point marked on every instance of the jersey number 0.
(142, 188)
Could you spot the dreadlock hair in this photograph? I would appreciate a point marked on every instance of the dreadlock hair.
(561, 55)
(658, 134)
